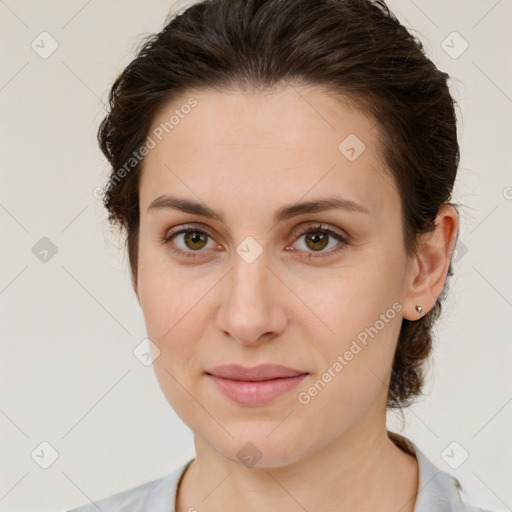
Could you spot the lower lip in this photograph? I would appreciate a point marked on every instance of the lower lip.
(256, 393)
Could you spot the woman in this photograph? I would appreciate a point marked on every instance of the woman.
(283, 170)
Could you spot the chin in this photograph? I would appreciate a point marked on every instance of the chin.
(256, 448)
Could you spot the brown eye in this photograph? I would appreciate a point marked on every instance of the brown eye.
(316, 240)
(195, 240)
(318, 237)
(188, 242)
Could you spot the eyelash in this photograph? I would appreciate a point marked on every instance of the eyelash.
(312, 229)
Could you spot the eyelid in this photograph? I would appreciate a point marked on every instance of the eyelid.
(182, 228)
(301, 229)
(340, 235)
(320, 226)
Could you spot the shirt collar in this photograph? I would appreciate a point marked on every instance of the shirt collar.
(437, 490)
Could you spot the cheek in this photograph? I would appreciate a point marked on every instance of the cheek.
(173, 305)
(170, 315)
(351, 299)
(170, 310)
(361, 306)
(353, 375)
(167, 297)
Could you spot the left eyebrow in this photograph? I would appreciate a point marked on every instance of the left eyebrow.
(284, 213)
(318, 205)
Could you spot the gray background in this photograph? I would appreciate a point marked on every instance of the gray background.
(70, 322)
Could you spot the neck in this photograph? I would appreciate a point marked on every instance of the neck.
(360, 470)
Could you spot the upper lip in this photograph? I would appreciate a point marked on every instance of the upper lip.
(254, 374)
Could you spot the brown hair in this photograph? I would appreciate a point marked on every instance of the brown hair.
(355, 48)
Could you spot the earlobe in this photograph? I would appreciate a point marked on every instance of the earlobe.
(431, 264)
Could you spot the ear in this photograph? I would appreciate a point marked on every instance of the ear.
(429, 267)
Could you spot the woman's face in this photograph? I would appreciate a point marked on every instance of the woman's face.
(252, 288)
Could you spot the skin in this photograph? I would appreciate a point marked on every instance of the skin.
(246, 155)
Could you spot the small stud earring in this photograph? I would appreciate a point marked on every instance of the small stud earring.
(419, 309)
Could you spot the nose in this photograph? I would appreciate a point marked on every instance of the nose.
(254, 302)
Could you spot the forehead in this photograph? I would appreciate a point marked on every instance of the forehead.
(291, 142)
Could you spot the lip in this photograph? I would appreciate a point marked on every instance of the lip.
(255, 386)
(255, 373)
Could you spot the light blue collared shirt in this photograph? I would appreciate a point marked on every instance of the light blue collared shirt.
(438, 491)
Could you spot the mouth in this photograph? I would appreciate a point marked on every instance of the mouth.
(255, 386)
(255, 374)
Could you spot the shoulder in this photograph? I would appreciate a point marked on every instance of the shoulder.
(133, 499)
(470, 508)
(156, 495)
(437, 489)
(465, 500)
